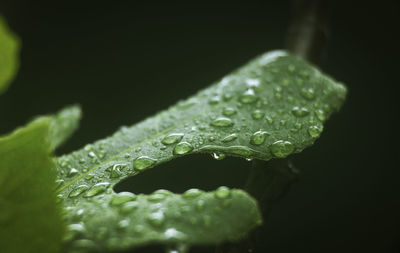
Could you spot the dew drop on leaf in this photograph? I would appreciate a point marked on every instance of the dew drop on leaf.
(172, 138)
(156, 197)
(229, 138)
(143, 162)
(281, 148)
(257, 114)
(248, 97)
(218, 156)
(228, 111)
(78, 190)
(72, 172)
(121, 198)
(156, 218)
(320, 115)
(258, 137)
(182, 148)
(192, 193)
(308, 93)
(300, 111)
(222, 122)
(129, 206)
(222, 192)
(97, 189)
(314, 131)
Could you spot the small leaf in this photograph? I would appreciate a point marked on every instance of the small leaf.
(30, 219)
(64, 124)
(9, 50)
(263, 110)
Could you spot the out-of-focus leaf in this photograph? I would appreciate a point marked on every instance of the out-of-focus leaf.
(9, 50)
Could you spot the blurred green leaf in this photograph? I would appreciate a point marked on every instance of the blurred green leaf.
(64, 124)
(272, 107)
(9, 53)
(30, 219)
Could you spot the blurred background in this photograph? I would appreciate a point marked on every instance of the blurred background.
(124, 61)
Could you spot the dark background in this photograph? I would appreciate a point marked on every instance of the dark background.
(123, 61)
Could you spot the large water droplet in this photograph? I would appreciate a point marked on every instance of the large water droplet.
(258, 137)
(156, 218)
(121, 198)
(228, 111)
(97, 189)
(116, 170)
(72, 172)
(222, 192)
(129, 206)
(172, 138)
(222, 122)
(143, 162)
(78, 190)
(229, 138)
(315, 131)
(308, 93)
(59, 182)
(300, 111)
(320, 115)
(282, 148)
(192, 193)
(257, 114)
(248, 97)
(182, 148)
(218, 156)
(214, 100)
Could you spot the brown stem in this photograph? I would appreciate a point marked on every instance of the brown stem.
(308, 32)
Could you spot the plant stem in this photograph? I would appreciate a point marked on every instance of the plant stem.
(306, 37)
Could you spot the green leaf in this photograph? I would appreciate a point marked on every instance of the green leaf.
(9, 51)
(272, 107)
(64, 124)
(30, 220)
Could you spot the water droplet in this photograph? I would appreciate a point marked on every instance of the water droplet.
(248, 97)
(73, 230)
(97, 189)
(155, 197)
(308, 93)
(300, 111)
(82, 161)
(88, 147)
(138, 149)
(249, 159)
(298, 125)
(269, 119)
(320, 115)
(282, 148)
(257, 114)
(172, 138)
(59, 182)
(228, 111)
(182, 148)
(211, 138)
(116, 170)
(72, 172)
(127, 155)
(218, 156)
(229, 138)
(143, 162)
(214, 100)
(78, 190)
(156, 218)
(129, 206)
(121, 198)
(258, 137)
(192, 193)
(252, 83)
(222, 122)
(222, 192)
(124, 223)
(92, 154)
(89, 176)
(315, 131)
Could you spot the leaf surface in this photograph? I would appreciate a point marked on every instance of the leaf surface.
(30, 220)
(9, 50)
(272, 107)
